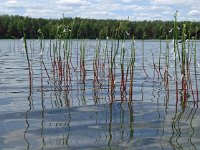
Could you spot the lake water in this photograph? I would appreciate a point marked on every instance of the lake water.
(76, 109)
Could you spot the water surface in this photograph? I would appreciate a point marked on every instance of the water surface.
(49, 114)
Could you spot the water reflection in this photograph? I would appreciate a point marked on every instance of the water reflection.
(115, 125)
(26, 115)
(178, 139)
(126, 125)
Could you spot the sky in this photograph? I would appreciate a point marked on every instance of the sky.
(188, 10)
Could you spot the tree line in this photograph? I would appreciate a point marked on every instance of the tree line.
(15, 27)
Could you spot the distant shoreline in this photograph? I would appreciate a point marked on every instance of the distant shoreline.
(14, 27)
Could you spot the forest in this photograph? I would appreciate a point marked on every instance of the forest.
(14, 27)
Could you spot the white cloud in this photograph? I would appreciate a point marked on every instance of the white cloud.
(12, 4)
(127, 1)
(72, 2)
(104, 9)
(194, 13)
(132, 1)
(169, 2)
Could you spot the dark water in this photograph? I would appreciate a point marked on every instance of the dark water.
(51, 115)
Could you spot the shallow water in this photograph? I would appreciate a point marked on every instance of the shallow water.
(49, 114)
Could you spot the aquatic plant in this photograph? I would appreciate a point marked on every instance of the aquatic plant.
(160, 52)
(122, 82)
(195, 65)
(113, 63)
(132, 62)
(176, 53)
(28, 60)
(143, 64)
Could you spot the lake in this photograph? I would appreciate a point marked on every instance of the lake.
(73, 96)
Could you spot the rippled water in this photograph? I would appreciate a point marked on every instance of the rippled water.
(51, 115)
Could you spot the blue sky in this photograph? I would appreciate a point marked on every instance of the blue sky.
(104, 9)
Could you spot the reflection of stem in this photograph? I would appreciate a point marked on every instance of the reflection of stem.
(110, 127)
(197, 91)
(173, 130)
(26, 116)
(69, 128)
(163, 125)
(46, 70)
(27, 123)
(142, 88)
(176, 82)
(196, 81)
(42, 104)
(154, 65)
(176, 130)
(157, 70)
(179, 129)
(131, 120)
(145, 71)
(121, 120)
(191, 120)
